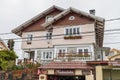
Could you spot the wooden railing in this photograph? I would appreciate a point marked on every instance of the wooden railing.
(74, 57)
(82, 54)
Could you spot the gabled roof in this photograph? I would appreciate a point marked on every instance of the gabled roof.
(66, 65)
(67, 11)
(114, 56)
(115, 50)
(27, 23)
(99, 23)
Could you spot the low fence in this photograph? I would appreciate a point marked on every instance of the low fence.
(28, 74)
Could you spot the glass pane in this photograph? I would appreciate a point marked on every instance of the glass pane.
(47, 55)
(70, 31)
(85, 50)
(67, 32)
(78, 30)
(49, 18)
(47, 35)
(43, 55)
(74, 30)
(60, 51)
(80, 51)
(30, 37)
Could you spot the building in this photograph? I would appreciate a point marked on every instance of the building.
(3, 46)
(56, 33)
(63, 36)
(114, 54)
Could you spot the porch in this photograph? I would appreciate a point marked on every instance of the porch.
(74, 57)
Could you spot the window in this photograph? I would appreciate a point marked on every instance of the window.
(47, 55)
(72, 31)
(71, 18)
(78, 30)
(49, 18)
(82, 51)
(29, 38)
(67, 32)
(85, 50)
(61, 52)
(49, 35)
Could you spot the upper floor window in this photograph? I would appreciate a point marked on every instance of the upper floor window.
(83, 50)
(72, 18)
(49, 35)
(47, 55)
(72, 31)
(61, 52)
(49, 18)
(30, 37)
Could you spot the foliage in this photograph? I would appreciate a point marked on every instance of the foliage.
(7, 59)
(25, 65)
(10, 44)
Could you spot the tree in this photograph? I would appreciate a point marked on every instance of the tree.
(10, 44)
(7, 59)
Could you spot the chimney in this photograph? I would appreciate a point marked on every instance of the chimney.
(92, 11)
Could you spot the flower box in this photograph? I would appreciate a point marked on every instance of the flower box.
(72, 37)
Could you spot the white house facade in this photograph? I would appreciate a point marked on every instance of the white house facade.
(60, 35)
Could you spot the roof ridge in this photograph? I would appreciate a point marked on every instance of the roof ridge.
(35, 18)
(65, 12)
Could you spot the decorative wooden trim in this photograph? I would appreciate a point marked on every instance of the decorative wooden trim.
(72, 37)
(29, 42)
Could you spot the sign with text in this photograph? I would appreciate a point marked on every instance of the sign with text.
(64, 72)
(114, 63)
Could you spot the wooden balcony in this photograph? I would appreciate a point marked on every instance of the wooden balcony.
(72, 37)
(74, 57)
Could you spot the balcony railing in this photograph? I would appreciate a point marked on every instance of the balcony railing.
(81, 54)
(74, 57)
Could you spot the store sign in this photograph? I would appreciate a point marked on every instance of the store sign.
(64, 72)
(114, 63)
(86, 72)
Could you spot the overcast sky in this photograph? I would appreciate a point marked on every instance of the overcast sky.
(15, 12)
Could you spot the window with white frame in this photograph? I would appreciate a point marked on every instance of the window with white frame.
(38, 54)
(30, 37)
(61, 52)
(83, 50)
(49, 18)
(72, 18)
(49, 35)
(72, 31)
(47, 55)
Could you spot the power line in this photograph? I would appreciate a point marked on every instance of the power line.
(82, 34)
(114, 19)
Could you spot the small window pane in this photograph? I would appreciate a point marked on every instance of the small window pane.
(74, 30)
(49, 35)
(67, 32)
(78, 30)
(85, 50)
(60, 51)
(49, 18)
(80, 51)
(70, 31)
(30, 36)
